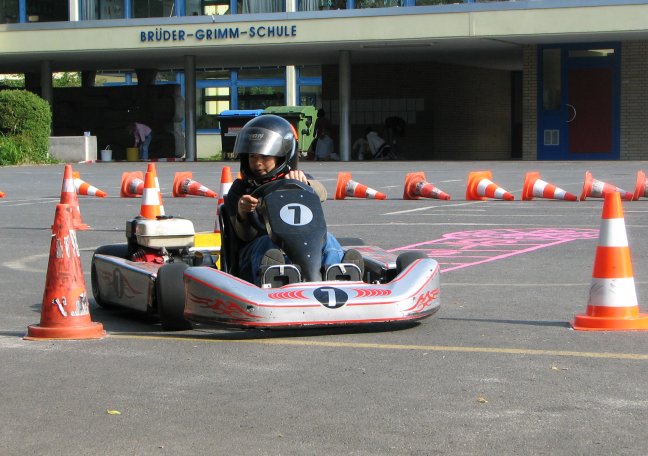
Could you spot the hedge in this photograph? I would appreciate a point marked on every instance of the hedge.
(25, 127)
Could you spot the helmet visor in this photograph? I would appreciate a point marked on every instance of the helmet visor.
(259, 141)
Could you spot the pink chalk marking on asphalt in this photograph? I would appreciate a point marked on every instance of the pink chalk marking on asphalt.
(462, 249)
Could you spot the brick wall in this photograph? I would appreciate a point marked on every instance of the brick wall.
(634, 100)
(452, 112)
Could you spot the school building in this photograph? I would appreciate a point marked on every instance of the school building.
(465, 80)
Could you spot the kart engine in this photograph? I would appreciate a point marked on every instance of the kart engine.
(158, 240)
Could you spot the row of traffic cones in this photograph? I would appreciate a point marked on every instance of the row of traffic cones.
(132, 185)
(481, 187)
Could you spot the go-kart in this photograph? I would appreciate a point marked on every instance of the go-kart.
(160, 271)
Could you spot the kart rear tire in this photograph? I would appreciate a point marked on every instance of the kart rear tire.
(116, 250)
(407, 258)
(169, 292)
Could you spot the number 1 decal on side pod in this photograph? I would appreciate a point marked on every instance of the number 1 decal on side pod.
(296, 214)
(331, 297)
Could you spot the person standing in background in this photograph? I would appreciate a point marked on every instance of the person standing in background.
(143, 136)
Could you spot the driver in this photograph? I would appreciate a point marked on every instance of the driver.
(267, 147)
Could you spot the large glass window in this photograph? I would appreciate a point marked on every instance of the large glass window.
(102, 9)
(153, 8)
(8, 11)
(261, 6)
(47, 11)
(378, 3)
(210, 102)
(207, 7)
(551, 79)
(260, 97)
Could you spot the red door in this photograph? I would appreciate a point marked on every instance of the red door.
(590, 111)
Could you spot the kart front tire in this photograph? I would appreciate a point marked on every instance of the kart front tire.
(116, 250)
(169, 292)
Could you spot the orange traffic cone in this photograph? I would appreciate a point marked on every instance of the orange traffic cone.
(183, 185)
(641, 188)
(597, 189)
(612, 302)
(65, 311)
(481, 187)
(2, 194)
(132, 184)
(69, 196)
(151, 198)
(348, 187)
(152, 169)
(83, 188)
(536, 187)
(225, 185)
(416, 186)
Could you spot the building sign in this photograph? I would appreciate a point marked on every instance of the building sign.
(159, 34)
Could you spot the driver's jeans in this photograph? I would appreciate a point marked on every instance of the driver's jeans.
(252, 253)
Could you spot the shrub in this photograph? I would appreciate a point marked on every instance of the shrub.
(25, 126)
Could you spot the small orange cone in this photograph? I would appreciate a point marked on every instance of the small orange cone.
(151, 198)
(536, 187)
(65, 311)
(225, 185)
(69, 196)
(416, 186)
(348, 187)
(183, 185)
(83, 188)
(2, 194)
(597, 189)
(612, 302)
(132, 184)
(481, 187)
(641, 188)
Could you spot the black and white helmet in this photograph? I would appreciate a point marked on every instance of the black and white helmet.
(268, 135)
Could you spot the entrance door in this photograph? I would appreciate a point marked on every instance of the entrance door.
(578, 117)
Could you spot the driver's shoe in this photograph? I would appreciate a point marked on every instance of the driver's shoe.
(273, 257)
(352, 256)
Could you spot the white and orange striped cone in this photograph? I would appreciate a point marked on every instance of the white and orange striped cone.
(151, 206)
(480, 187)
(536, 187)
(641, 188)
(132, 184)
(69, 196)
(183, 185)
(152, 169)
(593, 188)
(225, 185)
(85, 189)
(348, 187)
(417, 186)
(612, 302)
(65, 310)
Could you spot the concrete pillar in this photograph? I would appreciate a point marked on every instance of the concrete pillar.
(47, 88)
(345, 105)
(73, 11)
(291, 86)
(190, 107)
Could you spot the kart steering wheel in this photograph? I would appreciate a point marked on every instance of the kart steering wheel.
(255, 219)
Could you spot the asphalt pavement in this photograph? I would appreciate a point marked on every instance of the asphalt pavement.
(497, 371)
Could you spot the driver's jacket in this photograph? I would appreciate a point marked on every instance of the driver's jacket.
(243, 230)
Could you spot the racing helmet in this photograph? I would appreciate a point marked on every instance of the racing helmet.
(268, 135)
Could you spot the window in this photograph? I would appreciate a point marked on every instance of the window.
(261, 6)
(260, 97)
(8, 11)
(153, 8)
(551, 79)
(46, 11)
(210, 102)
(213, 7)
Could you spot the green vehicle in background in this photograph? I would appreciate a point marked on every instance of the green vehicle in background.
(302, 118)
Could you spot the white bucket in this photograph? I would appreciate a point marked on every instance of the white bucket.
(106, 155)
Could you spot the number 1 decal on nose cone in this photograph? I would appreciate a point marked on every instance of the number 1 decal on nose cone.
(331, 297)
(296, 214)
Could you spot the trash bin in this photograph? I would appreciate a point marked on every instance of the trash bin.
(231, 121)
(302, 118)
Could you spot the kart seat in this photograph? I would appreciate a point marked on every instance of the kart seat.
(229, 243)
